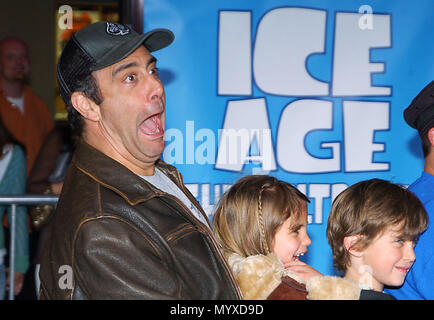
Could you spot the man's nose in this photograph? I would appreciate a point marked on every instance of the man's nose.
(19, 60)
(156, 88)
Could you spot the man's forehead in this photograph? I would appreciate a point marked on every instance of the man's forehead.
(13, 44)
(140, 57)
(141, 53)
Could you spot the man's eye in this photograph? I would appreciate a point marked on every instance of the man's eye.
(154, 71)
(130, 78)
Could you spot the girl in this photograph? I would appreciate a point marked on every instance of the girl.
(261, 225)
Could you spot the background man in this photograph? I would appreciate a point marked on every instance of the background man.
(23, 112)
(126, 227)
(420, 280)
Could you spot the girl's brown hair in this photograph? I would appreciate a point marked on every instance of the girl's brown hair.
(366, 209)
(251, 211)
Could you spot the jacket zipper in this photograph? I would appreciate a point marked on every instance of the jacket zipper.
(211, 234)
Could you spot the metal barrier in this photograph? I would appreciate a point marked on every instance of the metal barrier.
(13, 201)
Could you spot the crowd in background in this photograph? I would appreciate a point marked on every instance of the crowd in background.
(30, 146)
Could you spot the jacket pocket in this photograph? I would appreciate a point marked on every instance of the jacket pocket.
(180, 232)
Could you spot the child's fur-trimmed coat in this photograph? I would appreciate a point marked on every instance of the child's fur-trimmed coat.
(260, 277)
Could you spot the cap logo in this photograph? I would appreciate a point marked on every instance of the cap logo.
(117, 29)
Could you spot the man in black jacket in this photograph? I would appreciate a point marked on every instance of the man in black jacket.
(125, 227)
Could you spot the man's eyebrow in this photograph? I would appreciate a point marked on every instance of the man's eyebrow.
(151, 61)
(132, 64)
(123, 67)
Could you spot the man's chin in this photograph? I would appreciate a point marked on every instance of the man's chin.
(155, 153)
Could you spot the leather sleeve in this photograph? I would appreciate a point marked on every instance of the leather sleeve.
(114, 260)
(44, 164)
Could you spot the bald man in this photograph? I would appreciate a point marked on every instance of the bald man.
(24, 113)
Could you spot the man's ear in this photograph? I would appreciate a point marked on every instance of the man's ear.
(350, 243)
(85, 106)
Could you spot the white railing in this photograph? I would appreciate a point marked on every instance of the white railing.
(13, 201)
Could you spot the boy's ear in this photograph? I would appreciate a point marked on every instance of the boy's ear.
(431, 136)
(350, 243)
(85, 106)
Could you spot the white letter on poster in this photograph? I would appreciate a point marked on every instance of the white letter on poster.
(318, 192)
(352, 66)
(285, 38)
(245, 121)
(361, 120)
(298, 119)
(234, 54)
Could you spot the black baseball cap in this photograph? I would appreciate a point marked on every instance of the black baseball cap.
(100, 45)
(420, 113)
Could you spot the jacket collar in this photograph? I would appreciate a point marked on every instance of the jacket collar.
(117, 177)
(257, 275)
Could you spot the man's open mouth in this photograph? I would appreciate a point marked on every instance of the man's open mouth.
(152, 125)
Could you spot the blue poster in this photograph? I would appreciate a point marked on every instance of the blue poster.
(309, 91)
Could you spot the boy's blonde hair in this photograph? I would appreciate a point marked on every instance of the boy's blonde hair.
(366, 209)
(251, 211)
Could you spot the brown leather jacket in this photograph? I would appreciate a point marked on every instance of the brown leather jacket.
(115, 236)
(289, 289)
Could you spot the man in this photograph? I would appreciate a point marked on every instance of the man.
(24, 113)
(420, 280)
(125, 226)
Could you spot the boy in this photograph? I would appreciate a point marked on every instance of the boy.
(372, 230)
